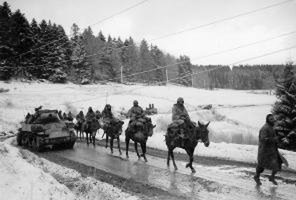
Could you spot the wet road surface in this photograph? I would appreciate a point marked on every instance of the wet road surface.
(209, 182)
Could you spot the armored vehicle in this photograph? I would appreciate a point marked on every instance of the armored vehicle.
(45, 128)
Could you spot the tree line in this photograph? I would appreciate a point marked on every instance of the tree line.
(242, 77)
(42, 50)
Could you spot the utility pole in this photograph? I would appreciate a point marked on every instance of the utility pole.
(121, 74)
(167, 76)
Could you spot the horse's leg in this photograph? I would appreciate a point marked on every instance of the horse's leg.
(107, 137)
(173, 159)
(90, 137)
(118, 144)
(86, 133)
(168, 158)
(111, 144)
(143, 146)
(127, 139)
(94, 137)
(190, 154)
(136, 148)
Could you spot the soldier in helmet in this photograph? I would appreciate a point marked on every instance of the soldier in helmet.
(90, 115)
(181, 117)
(64, 116)
(60, 114)
(80, 117)
(135, 113)
(107, 115)
(70, 116)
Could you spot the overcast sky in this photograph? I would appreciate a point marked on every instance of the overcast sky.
(155, 18)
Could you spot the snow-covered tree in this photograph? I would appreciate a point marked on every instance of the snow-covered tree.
(285, 108)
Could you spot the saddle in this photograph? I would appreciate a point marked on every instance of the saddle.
(113, 123)
(139, 125)
(176, 129)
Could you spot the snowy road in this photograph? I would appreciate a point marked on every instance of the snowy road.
(210, 182)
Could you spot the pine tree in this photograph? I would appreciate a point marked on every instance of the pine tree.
(80, 67)
(129, 59)
(34, 69)
(22, 41)
(158, 62)
(110, 61)
(146, 62)
(284, 109)
(6, 50)
(184, 71)
(53, 47)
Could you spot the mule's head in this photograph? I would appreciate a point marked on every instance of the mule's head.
(203, 133)
(119, 125)
(150, 127)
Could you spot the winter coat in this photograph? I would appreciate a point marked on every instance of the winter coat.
(179, 111)
(80, 117)
(90, 116)
(268, 155)
(135, 112)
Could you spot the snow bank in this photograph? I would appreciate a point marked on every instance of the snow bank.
(82, 187)
(20, 180)
(27, 176)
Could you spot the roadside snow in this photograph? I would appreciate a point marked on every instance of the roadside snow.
(24, 175)
(21, 180)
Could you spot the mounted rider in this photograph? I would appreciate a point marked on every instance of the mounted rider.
(64, 116)
(181, 118)
(70, 116)
(137, 116)
(90, 115)
(80, 117)
(107, 115)
(60, 114)
(90, 118)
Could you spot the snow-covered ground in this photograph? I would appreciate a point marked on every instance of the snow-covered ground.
(235, 119)
(27, 176)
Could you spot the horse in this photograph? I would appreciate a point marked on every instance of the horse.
(197, 133)
(139, 136)
(90, 128)
(113, 130)
(79, 129)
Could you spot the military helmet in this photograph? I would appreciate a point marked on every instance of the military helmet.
(180, 100)
(108, 106)
(136, 103)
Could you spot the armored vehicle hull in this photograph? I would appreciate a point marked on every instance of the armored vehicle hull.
(46, 129)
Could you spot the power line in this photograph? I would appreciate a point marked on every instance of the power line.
(234, 63)
(102, 20)
(168, 35)
(215, 53)
(200, 72)
(175, 33)
(120, 12)
(188, 75)
(222, 20)
(197, 58)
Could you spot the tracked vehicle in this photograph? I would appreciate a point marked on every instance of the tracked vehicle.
(46, 129)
